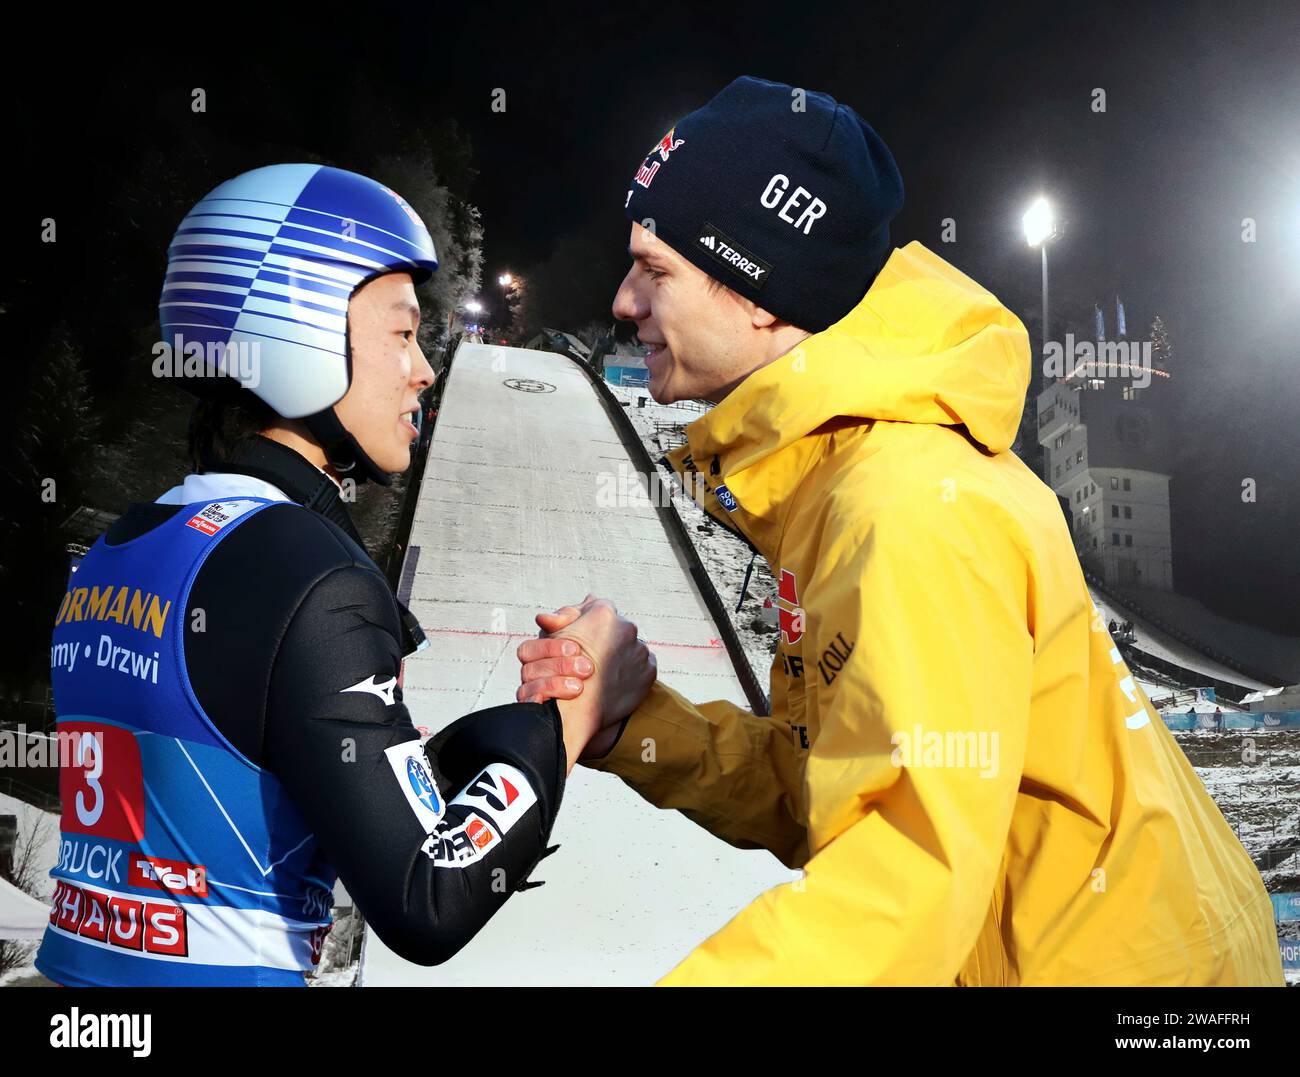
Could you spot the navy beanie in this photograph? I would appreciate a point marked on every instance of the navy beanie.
(783, 195)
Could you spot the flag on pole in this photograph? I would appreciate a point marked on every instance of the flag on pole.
(1101, 322)
(1119, 317)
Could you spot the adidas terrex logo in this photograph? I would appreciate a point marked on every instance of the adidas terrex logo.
(733, 256)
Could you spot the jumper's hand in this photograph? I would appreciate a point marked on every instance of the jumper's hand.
(552, 667)
(624, 667)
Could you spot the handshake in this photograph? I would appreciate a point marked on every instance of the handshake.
(591, 662)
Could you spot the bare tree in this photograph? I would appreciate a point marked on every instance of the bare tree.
(25, 873)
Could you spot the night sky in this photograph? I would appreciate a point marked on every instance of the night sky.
(983, 105)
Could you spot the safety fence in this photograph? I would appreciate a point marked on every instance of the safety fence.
(1290, 955)
(1286, 911)
(1286, 907)
(1191, 720)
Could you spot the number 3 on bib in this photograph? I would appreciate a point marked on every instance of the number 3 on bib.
(100, 781)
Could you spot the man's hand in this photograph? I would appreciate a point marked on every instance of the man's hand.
(552, 667)
(622, 669)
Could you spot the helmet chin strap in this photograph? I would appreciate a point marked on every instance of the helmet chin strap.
(343, 451)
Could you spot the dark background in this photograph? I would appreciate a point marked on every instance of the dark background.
(983, 105)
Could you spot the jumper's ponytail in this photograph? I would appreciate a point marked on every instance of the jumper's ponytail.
(218, 426)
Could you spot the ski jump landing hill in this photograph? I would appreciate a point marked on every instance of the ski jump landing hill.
(1168, 666)
(515, 514)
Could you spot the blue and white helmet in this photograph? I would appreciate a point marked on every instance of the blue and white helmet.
(267, 262)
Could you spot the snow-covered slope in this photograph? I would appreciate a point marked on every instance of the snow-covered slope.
(1153, 641)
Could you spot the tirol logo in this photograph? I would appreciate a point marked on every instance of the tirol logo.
(726, 498)
(422, 785)
(646, 173)
(734, 257)
(174, 875)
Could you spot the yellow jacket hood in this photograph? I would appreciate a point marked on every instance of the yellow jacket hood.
(925, 345)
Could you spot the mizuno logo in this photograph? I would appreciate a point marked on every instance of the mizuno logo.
(383, 691)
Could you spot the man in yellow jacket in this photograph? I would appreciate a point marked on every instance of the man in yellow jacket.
(976, 789)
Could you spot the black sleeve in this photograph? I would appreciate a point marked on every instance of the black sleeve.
(429, 843)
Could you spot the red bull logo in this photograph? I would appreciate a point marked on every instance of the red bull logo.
(667, 144)
(646, 173)
(406, 208)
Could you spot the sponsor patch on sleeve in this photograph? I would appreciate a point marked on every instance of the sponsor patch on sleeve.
(456, 846)
(495, 801)
(412, 772)
(501, 793)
